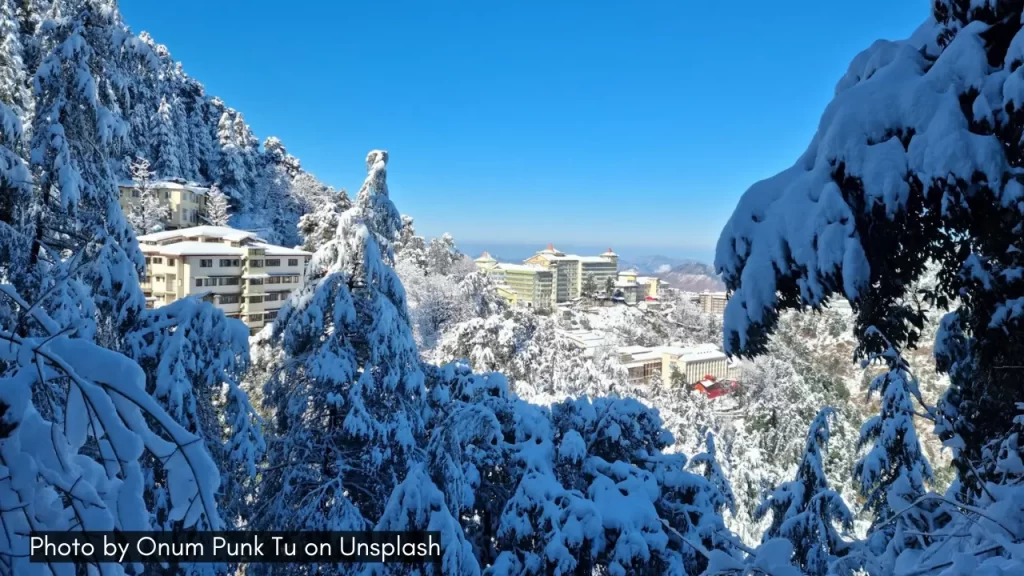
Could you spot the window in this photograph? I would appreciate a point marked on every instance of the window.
(228, 282)
(293, 261)
(147, 280)
(229, 299)
(226, 262)
(206, 263)
(148, 259)
(199, 281)
(274, 280)
(135, 193)
(270, 315)
(271, 297)
(256, 263)
(253, 318)
(171, 261)
(274, 262)
(255, 299)
(255, 281)
(158, 260)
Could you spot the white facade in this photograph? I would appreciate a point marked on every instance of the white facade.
(692, 362)
(236, 270)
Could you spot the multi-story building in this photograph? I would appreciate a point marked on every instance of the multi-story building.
(692, 363)
(185, 200)
(236, 270)
(570, 272)
(562, 277)
(519, 284)
(712, 302)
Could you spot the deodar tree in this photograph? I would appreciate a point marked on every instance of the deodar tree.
(917, 161)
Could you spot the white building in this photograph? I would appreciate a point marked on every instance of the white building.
(692, 362)
(236, 270)
(590, 341)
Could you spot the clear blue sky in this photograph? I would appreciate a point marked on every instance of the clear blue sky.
(581, 122)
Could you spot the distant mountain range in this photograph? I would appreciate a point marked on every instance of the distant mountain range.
(682, 274)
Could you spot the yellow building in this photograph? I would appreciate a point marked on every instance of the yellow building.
(236, 270)
(712, 302)
(519, 284)
(186, 201)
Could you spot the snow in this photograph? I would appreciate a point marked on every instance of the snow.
(194, 249)
(797, 222)
(222, 232)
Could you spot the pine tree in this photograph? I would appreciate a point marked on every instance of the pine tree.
(167, 150)
(805, 510)
(147, 212)
(216, 207)
(892, 474)
(348, 400)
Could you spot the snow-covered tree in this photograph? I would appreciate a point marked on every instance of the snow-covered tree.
(147, 211)
(806, 511)
(216, 208)
(886, 195)
(442, 255)
(346, 402)
(165, 135)
(893, 472)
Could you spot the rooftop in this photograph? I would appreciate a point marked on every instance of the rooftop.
(169, 185)
(222, 232)
(521, 267)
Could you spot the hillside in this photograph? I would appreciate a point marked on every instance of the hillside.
(153, 109)
(692, 276)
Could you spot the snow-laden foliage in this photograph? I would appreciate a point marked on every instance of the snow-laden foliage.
(806, 511)
(916, 160)
(216, 211)
(893, 472)
(346, 400)
(147, 213)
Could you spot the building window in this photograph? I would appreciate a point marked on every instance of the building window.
(171, 261)
(135, 193)
(199, 282)
(229, 299)
(147, 280)
(158, 260)
(255, 299)
(270, 315)
(206, 263)
(272, 297)
(255, 281)
(274, 262)
(227, 282)
(148, 259)
(293, 261)
(227, 262)
(256, 263)
(253, 318)
(274, 280)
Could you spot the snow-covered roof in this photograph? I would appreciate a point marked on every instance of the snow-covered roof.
(593, 259)
(521, 267)
(630, 272)
(272, 250)
(194, 249)
(485, 257)
(645, 279)
(625, 284)
(169, 185)
(222, 232)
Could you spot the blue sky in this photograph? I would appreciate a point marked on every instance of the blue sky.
(597, 122)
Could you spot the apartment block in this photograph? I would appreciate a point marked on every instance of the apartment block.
(185, 200)
(551, 276)
(239, 272)
(712, 302)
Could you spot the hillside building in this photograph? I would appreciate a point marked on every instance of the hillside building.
(693, 363)
(240, 273)
(187, 201)
(554, 275)
(712, 302)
